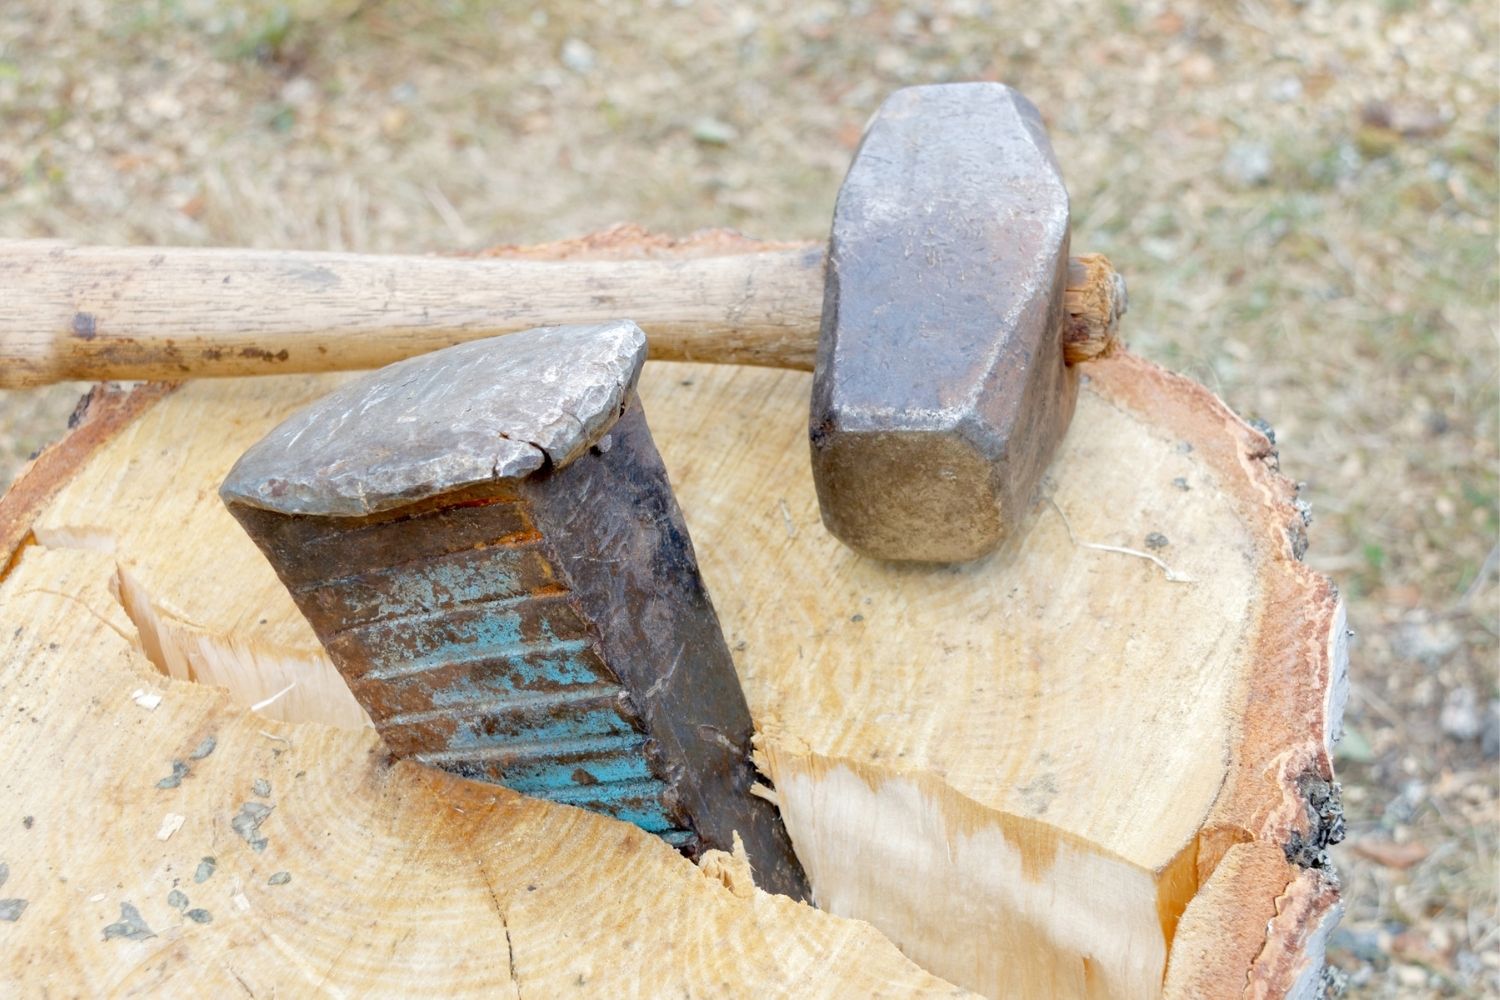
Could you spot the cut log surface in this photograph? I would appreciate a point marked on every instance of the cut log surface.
(1077, 768)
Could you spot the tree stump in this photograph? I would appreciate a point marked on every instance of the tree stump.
(1095, 764)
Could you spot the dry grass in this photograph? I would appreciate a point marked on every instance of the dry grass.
(1303, 195)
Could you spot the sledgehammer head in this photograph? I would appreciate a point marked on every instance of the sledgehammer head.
(941, 391)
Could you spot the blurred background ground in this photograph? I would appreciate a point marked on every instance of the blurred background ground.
(1303, 195)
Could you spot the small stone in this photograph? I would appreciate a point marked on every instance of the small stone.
(199, 916)
(743, 22)
(299, 91)
(11, 909)
(1411, 976)
(130, 926)
(280, 878)
(1460, 715)
(1156, 541)
(1198, 68)
(4, 872)
(204, 749)
(164, 105)
(714, 132)
(177, 899)
(1181, 483)
(261, 787)
(1431, 642)
(578, 56)
(1247, 164)
(1489, 737)
(205, 870)
(1287, 89)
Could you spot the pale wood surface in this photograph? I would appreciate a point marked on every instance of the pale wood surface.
(399, 881)
(1020, 770)
(77, 312)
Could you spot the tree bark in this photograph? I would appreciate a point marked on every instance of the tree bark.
(1095, 764)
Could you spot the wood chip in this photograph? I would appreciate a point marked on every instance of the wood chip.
(170, 824)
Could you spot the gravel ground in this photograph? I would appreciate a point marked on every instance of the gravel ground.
(1304, 196)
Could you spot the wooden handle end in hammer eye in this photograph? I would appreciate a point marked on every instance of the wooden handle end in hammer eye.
(1095, 301)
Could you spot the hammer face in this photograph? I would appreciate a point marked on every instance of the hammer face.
(941, 391)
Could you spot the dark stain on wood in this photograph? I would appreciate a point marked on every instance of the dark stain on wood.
(261, 354)
(180, 770)
(130, 926)
(247, 823)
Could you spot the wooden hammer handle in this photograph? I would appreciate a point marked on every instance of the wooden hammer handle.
(69, 312)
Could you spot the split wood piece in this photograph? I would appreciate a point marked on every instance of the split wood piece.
(1035, 774)
(486, 543)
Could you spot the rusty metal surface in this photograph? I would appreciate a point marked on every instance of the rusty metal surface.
(498, 413)
(547, 631)
(940, 391)
(627, 554)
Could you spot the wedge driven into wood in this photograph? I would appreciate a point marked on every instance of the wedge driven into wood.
(485, 541)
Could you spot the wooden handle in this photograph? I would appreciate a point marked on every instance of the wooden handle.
(92, 313)
(140, 313)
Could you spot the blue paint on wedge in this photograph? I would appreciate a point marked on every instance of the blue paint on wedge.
(509, 688)
(559, 775)
(502, 730)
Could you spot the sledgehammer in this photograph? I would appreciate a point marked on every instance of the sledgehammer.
(939, 320)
